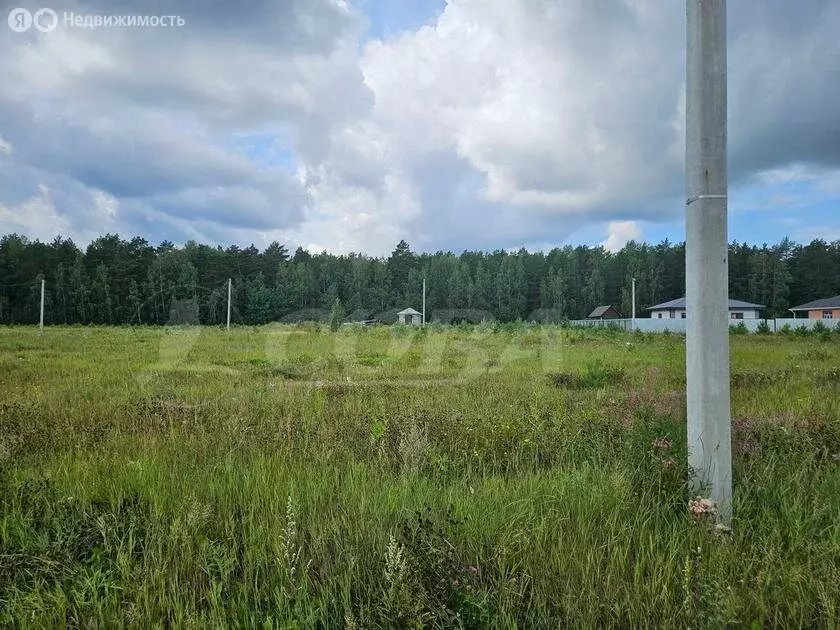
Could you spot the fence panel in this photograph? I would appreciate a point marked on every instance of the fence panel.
(804, 323)
(647, 324)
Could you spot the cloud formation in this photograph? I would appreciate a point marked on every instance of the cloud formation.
(501, 123)
(619, 233)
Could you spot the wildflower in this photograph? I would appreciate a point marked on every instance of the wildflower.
(395, 563)
(661, 444)
(288, 555)
(700, 507)
(669, 463)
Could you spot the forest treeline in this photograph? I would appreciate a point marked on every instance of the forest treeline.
(117, 281)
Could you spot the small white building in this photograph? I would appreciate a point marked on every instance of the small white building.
(675, 309)
(410, 316)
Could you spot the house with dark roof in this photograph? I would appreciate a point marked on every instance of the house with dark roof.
(676, 309)
(604, 312)
(827, 308)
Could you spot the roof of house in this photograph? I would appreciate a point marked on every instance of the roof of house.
(832, 302)
(599, 311)
(409, 311)
(679, 305)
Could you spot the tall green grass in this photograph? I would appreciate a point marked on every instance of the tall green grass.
(510, 476)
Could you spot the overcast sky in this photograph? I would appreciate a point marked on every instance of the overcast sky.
(348, 125)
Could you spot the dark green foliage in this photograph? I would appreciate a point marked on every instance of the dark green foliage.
(596, 374)
(443, 580)
(60, 538)
(336, 315)
(120, 281)
(739, 329)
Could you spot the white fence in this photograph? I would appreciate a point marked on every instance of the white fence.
(646, 324)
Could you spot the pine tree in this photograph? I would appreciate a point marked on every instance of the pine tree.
(594, 290)
(399, 264)
(134, 302)
(484, 289)
(117, 281)
(79, 291)
(215, 307)
(336, 315)
(100, 296)
(60, 292)
(511, 299)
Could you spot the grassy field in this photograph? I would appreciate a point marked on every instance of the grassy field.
(480, 477)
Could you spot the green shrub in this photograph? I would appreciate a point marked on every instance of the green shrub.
(739, 329)
(595, 375)
(336, 315)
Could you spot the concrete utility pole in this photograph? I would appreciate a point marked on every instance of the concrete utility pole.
(41, 325)
(707, 291)
(633, 298)
(424, 303)
(228, 309)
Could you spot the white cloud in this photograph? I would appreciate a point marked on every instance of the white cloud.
(517, 91)
(619, 233)
(505, 115)
(106, 205)
(502, 122)
(789, 174)
(545, 116)
(355, 218)
(147, 122)
(35, 217)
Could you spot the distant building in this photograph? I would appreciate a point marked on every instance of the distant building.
(827, 308)
(604, 312)
(410, 316)
(675, 309)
